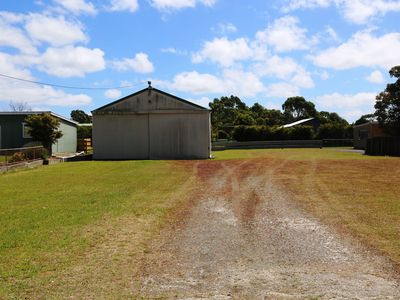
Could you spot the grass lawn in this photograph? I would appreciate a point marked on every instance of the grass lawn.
(79, 228)
(51, 217)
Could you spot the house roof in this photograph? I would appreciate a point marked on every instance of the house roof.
(297, 123)
(154, 89)
(365, 124)
(25, 113)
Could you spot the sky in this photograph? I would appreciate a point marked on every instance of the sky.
(335, 53)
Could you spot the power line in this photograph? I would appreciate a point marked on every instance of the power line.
(68, 86)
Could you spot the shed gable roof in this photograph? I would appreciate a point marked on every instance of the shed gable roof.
(149, 99)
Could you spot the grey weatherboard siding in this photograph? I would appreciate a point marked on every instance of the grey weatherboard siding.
(151, 124)
(11, 132)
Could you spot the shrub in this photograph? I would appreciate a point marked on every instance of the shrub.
(302, 133)
(17, 157)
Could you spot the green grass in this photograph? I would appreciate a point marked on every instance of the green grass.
(43, 211)
(295, 154)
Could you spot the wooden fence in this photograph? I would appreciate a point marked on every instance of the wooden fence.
(85, 145)
(383, 146)
(15, 156)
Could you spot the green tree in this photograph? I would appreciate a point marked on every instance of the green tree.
(80, 116)
(44, 128)
(325, 117)
(387, 106)
(297, 108)
(365, 119)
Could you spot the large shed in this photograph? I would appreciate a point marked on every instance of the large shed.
(151, 124)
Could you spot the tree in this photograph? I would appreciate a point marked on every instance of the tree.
(365, 119)
(80, 116)
(19, 106)
(387, 106)
(44, 128)
(296, 108)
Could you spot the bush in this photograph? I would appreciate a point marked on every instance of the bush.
(44, 154)
(84, 132)
(17, 157)
(265, 133)
(334, 131)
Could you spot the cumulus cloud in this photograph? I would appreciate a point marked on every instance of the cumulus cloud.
(112, 94)
(223, 51)
(285, 35)
(33, 94)
(54, 30)
(140, 64)
(282, 90)
(166, 5)
(363, 49)
(77, 6)
(203, 101)
(71, 61)
(14, 37)
(351, 105)
(121, 5)
(237, 82)
(355, 11)
(375, 77)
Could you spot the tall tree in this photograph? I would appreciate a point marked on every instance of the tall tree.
(387, 106)
(80, 116)
(365, 119)
(19, 106)
(44, 128)
(296, 108)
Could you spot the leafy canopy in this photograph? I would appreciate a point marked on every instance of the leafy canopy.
(80, 116)
(44, 128)
(387, 106)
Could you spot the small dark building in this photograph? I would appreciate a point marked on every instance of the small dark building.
(14, 133)
(366, 131)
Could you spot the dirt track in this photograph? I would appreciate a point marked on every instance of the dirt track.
(245, 238)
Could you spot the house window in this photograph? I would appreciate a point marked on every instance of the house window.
(25, 133)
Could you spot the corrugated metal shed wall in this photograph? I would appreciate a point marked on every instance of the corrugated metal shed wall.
(151, 125)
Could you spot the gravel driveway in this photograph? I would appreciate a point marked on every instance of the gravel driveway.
(245, 238)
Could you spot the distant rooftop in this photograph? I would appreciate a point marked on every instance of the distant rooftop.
(297, 123)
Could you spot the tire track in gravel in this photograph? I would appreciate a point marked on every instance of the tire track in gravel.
(244, 238)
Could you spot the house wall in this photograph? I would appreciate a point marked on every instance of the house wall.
(156, 135)
(366, 131)
(11, 131)
(12, 134)
(68, 142)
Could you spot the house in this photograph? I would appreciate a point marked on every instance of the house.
(366, 131)
(151, 124)
(313, 122)
(14, 133)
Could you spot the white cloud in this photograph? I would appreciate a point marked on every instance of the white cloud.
(14, 37)
(112, 94)
(166, 5)
(375, 77)
(121, 5)
(203, 101)
(71, 61)
(33, 94)
(285, 35)
(355, 11)
(223, 51)
(224, 28)
(140, 64)
(236, 82)
(362, 50)
(350, 106)
(282, 90)
(302, 79)
(77, 6)
(173, 50)
(55, 31)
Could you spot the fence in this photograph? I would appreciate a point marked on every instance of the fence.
(85, 145)
(267, 144)
(337, 142)
(15, 156)
(383, 146)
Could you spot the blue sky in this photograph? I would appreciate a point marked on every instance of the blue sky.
(335, 53)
